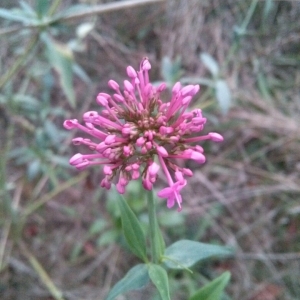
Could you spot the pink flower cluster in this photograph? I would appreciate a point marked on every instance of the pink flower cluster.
(137, 133)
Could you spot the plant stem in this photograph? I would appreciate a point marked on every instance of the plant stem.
(53, 7)
(19, 62)
(153, 227)
(43, 275)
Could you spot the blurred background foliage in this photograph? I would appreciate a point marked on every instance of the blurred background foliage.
(60, 233)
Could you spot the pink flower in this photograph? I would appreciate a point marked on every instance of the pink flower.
(137, 134)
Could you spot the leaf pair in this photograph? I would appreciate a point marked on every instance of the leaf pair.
(180, 255)
(139, 276)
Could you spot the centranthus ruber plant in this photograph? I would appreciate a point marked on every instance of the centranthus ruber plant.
(138, 135)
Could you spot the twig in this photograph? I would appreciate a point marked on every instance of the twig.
(109, 7)
(269, 256)
(93, 10)
(47, 197)
(45, 278)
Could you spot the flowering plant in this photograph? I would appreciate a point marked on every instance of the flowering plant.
(137, 135)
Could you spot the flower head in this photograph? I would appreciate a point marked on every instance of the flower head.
(137, 134)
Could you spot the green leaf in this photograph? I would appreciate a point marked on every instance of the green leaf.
(74, 9)
(15, 14)
(84, 29)
(27, 9)
(79, 71)
(132, 230)
(223, 95)
(61, 59)
(210, 63)
(183, 254)
(136, 278)
(212, 290)
(108, 237)
(34, 168)
(171, 219)
(42, 7)
(159, 277)
(97, 226)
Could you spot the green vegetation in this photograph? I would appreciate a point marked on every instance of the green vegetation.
(61, 233)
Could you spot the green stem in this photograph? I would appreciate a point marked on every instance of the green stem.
(153, 227)
(53, 7)
(19, 62)
(91, 11)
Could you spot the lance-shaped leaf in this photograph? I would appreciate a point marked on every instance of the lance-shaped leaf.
(183, 254)
(132, 230)
(223, 95)
(61, 59)
(136, 278)
(212, 290)
(159, 277)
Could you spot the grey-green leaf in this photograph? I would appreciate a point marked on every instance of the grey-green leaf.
(210, 63)
(61, 59)
(212, 290)
(223, 95)
(183, 254)
(42, 7)
(132, 230)
(136, 278)
(15, 14)
(159, 277)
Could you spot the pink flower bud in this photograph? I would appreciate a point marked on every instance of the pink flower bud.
(127, 151)
(162, 151)
(187, 172)
(186, 100)
(82, 165)
(113, 85)
(198, 157)
(76, 159)
(105, 183)
(90, 116)
(107, 170)
(140, 141)
(148, 145)
(161, 87)
(77, 141)
(186, 91)
(153, 169)
(102, 101)
(105, 95)
(135, 175)
(196, 89)
(146, 65)
(216, 137)
(176, 88)
(147, 184)
(131, 72)
(165, 130)
(198, 121)
(118, 98)
(120, 188)
(110, 139)
(70, 124)
(128, 86)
